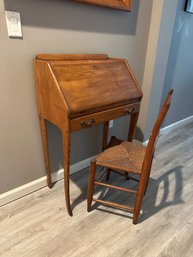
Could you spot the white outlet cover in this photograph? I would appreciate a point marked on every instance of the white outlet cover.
(110, 123)
(13, 20)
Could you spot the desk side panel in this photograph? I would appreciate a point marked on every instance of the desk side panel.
(50, 101)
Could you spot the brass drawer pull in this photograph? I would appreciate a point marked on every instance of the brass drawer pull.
(87, 124)
(129, 110)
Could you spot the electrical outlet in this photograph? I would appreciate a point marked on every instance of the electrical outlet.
(110, 123)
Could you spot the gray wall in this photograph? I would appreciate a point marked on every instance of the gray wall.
(168, 17)
(179, 75)
(57, 26)
(173, 66)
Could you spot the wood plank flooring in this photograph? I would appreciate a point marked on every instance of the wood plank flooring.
(38, 225)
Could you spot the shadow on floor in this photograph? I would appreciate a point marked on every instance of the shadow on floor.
(169, 186)
(171, 192)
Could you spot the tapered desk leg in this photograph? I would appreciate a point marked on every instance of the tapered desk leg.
(44, 136)
(66, 153)
(133, 124)
(105, 142)
(91, 184)
(105, 134)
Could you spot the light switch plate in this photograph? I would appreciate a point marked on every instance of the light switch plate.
(13, 20)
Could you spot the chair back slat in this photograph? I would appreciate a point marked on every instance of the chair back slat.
(155, 132)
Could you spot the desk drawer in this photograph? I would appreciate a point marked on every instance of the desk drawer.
(93, 119)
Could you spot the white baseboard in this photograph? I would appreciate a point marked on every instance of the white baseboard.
(176, 124)
(30, 187)
(172, 126)
(41, 182)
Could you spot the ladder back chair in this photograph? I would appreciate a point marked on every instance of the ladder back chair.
(125, 158)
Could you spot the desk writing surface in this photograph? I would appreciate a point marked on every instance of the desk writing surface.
(97, 85)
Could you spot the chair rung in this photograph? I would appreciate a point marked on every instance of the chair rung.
(116, 205)
(115, 187)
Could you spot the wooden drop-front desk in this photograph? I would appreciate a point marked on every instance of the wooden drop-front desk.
(80, 91)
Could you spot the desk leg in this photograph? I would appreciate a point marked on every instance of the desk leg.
(66, 153)
(105, 134)
(105, 142)
(44, 136)
(133, 124)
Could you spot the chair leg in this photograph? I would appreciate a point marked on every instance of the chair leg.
(137, 208)
(138, 202)
(108, 174)
(126, 176)
(91, 184)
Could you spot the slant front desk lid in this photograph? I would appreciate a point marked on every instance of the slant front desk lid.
(91, 83)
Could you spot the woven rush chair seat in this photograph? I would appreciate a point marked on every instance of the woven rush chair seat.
(126, 157)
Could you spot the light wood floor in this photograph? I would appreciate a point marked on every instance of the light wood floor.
(38, 225)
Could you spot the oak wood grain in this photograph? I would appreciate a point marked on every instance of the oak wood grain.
(94, 86)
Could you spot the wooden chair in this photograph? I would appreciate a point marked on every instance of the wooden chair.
(125, 158)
